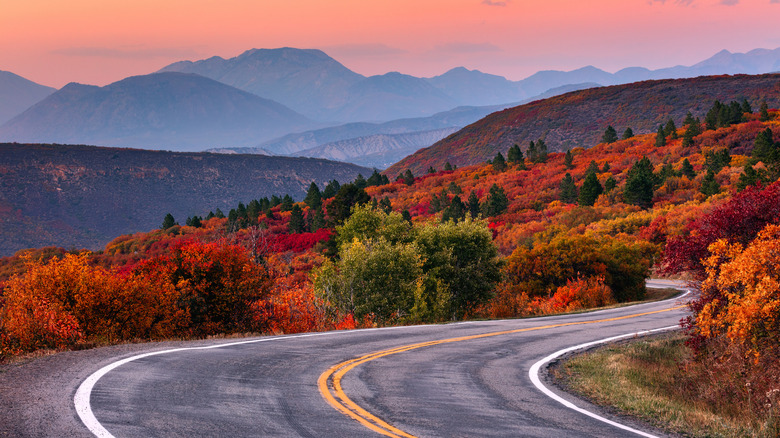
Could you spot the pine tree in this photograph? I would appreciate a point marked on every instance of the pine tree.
(385, 205)
(592, 167)
(473, 205)
(709, 186)
(531, 152)
(316, 219)
(670, 130)
(431, 170)
(287, 203)
(296, 223)
(639, 184)
(218, 214)
(408, 177)
(693, 129)
(609, 184)
(750, 177)
(590, 190)
(568, 160)
(628, 133)
(448, 166)
(746, 108)
(610, 135)
(375, 179)
(514, 155)
(764, 147)
(763, 112)
(687, 169)
(168, 222)
(688, 119)
(568, 190)
(605, 168)
(253, 210)
(313, 196)
(331, 189)
(660, 137)
(541, 151)
(455, 212)
(496, 202)
(499, 164)
(360, 182)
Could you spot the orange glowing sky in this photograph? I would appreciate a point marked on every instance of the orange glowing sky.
(54, 42)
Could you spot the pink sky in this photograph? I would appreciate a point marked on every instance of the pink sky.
(54, 42)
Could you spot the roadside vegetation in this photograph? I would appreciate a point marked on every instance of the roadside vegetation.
(532, 232)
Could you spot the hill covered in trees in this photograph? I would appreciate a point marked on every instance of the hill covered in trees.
(577, 119)
(83, 196)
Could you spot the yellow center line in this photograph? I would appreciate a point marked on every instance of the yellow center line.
(329, 382)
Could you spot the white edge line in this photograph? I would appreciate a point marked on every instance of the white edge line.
(81, 399)
(533, 373)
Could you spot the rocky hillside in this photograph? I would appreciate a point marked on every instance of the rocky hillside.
(83, 196)
(578, 119)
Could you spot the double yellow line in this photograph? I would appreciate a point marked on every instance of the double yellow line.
(329, 382)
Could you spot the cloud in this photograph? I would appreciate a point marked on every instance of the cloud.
(494, 3)
(136, 52)
(774, 1)
(463, 47)
(363, 50)
(676, 2)
(729, 2)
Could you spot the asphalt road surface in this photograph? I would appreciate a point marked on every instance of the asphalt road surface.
(454, 380)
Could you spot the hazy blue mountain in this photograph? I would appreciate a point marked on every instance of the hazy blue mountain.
(472, 87)
(17, 94)
(172, 111)
(379, 150)
(308, 81)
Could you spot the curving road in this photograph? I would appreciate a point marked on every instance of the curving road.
(455, 380)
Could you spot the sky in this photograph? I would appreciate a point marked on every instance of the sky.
(54, 42)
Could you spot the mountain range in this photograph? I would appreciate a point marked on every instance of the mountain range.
(257, 99)
(579, 118)
(17, 94)
(84, 196)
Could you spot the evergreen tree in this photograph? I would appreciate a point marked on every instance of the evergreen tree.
(448, 166)
(347, 197)
(360, 182)
(714, 161)
(541, 151)
(375, 179)
(590, 190)
(168, 222)
(408, 177)
(693, 129)
(196, 222)
(568, 190)
(406, 215)
(592, 167)
(609, 184)
(275, 200)
(750, 177)
(219, 215)
(605, 168)
(455, 212)
(746, 108)
(709, 186)
(688, 119)
(316, 219)
(628, 133)
(454, 188)
(568, 160)
(313, 196)
(210, 215)
(687, 169)
(473, 205)
(331, 189)
(670, 130)
(499, 164)
(253, 210)
(639, 184)
(764, 147)
(241, 212)
(296, 223)
(610, 135)
(431, 170)
(660, 137)
(287, 203)
(763, 112)
(496, 202)
(531, 152)
(514, 155)
(385, 205)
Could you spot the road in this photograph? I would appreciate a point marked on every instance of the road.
(455, 380)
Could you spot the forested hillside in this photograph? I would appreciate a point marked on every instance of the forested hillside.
(577, 119)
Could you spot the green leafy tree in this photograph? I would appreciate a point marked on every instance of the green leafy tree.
(610, 135)
(168, 222)
(366, 223)
(639, 184)
(568, 190)
(461, 259)
(590, 190)
(496, 202)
